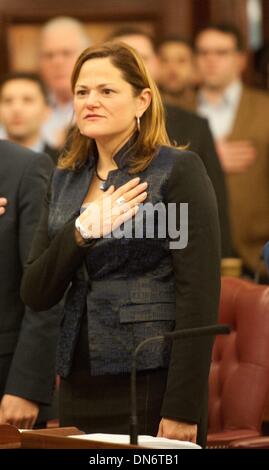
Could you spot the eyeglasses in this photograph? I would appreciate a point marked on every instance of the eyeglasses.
(216, 52)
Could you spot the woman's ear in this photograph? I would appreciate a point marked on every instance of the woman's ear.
(143, 101)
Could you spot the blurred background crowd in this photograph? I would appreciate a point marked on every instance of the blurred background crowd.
(210, 59)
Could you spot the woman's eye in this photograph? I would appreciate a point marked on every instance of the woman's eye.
(107, 91)
(81, 92)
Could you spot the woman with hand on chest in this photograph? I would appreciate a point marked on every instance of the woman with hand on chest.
(127, 281)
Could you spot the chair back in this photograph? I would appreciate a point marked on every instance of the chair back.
(239, 374)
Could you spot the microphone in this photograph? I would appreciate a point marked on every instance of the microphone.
(170, 336)
(263, 259)
(265, 253)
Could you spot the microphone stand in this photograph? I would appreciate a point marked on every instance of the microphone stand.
(185, 333)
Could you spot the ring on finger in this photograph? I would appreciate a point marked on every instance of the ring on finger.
(121, 200)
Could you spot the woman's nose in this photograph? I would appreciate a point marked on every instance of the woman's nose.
(92, 99)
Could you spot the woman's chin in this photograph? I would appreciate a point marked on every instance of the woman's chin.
(92, 134)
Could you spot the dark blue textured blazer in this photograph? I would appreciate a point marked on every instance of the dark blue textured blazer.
(134, 288)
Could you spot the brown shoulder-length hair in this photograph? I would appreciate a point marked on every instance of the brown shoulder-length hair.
(152, 123)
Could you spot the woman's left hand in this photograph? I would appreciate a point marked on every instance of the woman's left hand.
(177, 430)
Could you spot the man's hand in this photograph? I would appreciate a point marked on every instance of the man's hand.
(18, 411)
(3, 203)
(236, 156)
(177, 430)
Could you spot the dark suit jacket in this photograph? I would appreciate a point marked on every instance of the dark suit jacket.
(187, 128)
(27, 339)
(52, 152)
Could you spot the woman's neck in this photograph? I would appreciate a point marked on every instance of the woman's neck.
(107, 149)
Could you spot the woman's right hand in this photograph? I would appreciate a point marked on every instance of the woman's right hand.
(113, 208)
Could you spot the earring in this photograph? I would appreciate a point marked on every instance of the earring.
(138, 123)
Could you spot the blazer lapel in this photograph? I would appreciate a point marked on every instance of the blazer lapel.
(77, 190)
(67, 196)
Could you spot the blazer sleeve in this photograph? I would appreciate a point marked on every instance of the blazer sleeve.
(197, 281)
(51, 264)
(36, 343)
(32, 370)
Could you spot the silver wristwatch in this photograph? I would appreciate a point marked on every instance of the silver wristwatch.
(82, 230)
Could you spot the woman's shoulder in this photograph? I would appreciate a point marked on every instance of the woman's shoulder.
(174, 157)
(187, 177)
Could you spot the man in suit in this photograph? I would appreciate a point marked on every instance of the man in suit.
(27, 339)
(178, 74)
(185, 128)
(62, 40)
(239, 120)
(24, 109)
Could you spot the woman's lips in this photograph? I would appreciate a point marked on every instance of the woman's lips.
(92, 117)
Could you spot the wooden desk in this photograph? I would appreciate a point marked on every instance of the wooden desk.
(57, 438)
(10, 437)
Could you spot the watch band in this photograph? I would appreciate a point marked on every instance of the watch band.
(82, 230)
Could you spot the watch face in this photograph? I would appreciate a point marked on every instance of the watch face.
(85, 235)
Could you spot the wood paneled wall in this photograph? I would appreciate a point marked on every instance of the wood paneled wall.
(184, 17)
(230, 11)
(266, 20)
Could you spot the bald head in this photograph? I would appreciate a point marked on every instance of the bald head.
(143, 44)
(61, 42)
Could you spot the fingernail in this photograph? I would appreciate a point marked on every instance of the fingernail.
(137, 179)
